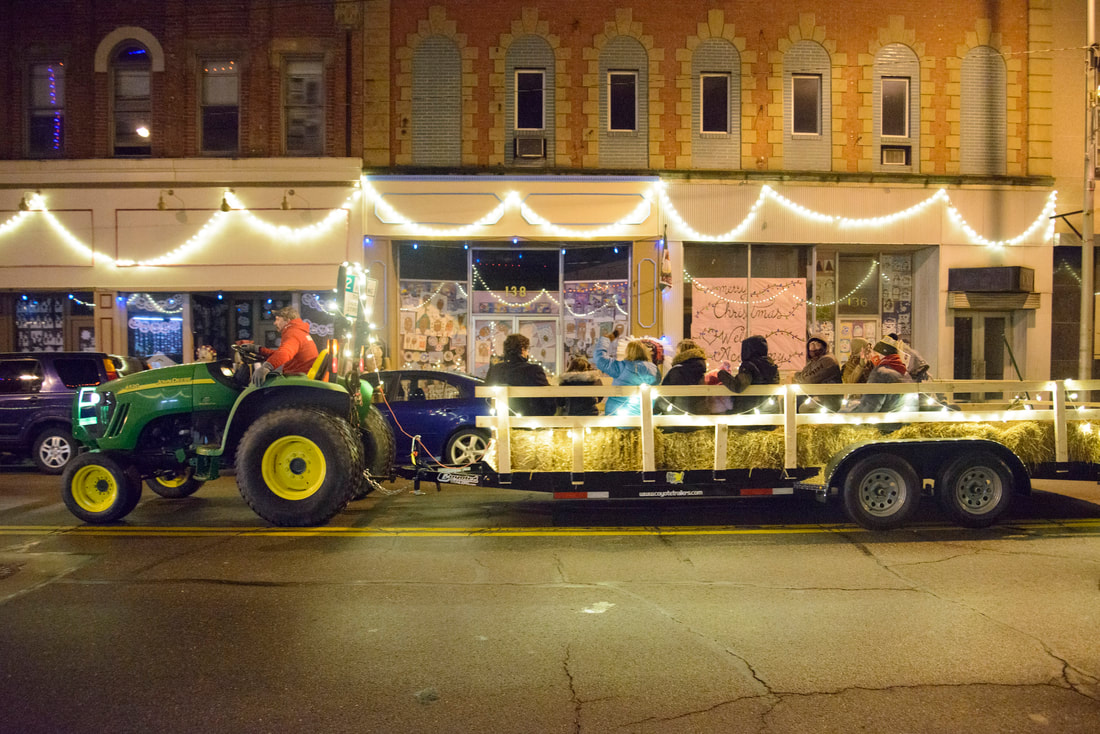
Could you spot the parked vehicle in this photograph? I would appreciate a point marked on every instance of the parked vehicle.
(438, 406)
(36, 402)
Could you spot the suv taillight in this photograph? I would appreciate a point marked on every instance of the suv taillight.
(109, 365)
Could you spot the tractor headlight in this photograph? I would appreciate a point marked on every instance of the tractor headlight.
(88, 399)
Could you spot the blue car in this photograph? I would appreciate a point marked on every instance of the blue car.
(438, 406)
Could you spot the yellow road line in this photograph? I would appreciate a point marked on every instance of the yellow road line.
(1085, 524)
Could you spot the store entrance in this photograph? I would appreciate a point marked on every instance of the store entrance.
(984, 348)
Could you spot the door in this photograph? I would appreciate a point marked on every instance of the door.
(983, 348)
(543, 332)
(20, 396)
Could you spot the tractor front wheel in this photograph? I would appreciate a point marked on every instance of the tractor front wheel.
(175, 484)
(98, 489)
(297, 466)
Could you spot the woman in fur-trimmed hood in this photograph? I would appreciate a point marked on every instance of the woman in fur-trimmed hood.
(580, 373)
(688, 367)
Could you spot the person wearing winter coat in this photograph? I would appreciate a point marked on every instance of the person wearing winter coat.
(757, 368)
(859, 364)
(516, 371)
(821, 369)
(636, 369)
(296, 352)
(889, 368)
(689, 365)
(579, 373)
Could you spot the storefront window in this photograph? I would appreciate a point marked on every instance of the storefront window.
(596, 292)
(155, 327)
(434, 307)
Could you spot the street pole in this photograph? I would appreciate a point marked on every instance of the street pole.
(1087, 244)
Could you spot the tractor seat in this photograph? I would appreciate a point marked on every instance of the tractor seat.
(320, 368)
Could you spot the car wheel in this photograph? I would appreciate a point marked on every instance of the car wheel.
(98, 489)
(466, 446)
(53, 449)
(176, 484)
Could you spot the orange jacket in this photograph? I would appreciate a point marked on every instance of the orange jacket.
(296, 351)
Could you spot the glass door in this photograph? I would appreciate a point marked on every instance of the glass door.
(983, 349)
(490, 331)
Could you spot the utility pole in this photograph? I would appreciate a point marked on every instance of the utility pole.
(1087, 244)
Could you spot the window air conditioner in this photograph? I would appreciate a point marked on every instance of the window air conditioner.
(895, 155)
(530, 147)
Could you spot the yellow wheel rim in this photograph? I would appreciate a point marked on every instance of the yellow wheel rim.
(294, 468)
(176, 480)
(94, 488)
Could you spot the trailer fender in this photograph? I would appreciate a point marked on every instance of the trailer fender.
(927, 457)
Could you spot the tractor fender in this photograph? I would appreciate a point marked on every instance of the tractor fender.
(927, 456)
(280, 393)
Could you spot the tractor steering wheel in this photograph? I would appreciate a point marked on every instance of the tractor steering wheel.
(247, 356)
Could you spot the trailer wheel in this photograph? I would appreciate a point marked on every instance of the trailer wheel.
(297, 467)
(975, 489)
(98, 489)
(378, 447)
(881, 492)
(176, 484)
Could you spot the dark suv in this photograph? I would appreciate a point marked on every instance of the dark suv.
(36, 402)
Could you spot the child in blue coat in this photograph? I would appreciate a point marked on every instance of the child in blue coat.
(636, 369)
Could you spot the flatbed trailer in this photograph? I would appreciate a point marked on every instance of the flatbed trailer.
(879, 479)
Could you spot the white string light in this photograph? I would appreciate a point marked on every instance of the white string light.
(870, 272)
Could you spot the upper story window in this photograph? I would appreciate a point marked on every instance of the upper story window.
(714, 94)
(622, 101)
(221, 109)
(132, 102)
(895, 107)
(46, 110)
(529, 100)
(806, 104)
(305, 107)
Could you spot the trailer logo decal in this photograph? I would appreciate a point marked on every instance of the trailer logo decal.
(673, 493)
(459, 478)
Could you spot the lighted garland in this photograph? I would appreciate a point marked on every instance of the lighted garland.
(545, 293)
(695, 283)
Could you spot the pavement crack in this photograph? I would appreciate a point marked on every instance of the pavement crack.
(667, 541)
(772, 701)
(577, 703)
(559, 566)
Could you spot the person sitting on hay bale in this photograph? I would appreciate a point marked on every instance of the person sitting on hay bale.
(821, 369)
(757, 368)
(889, 368)
(516, 371)
(579, 373)
(859, 364)
(689, 365)
(636, 369)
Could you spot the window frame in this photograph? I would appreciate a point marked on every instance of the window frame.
(703, 77)
(883, 81)
(206, 74)
(318, 107)
(633, 74)
(541, 73)
(817, 79)
(34, 112)
(118, 70)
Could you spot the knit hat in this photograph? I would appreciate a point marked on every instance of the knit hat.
(858, 344)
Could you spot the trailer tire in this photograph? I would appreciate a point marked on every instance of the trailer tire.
(881, 492)
(298, 467)
(378, 447)
(97, 489)
(176, 485)
(975, 489)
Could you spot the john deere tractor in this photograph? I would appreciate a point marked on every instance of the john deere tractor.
(302, 446)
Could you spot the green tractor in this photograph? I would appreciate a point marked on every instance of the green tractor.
(302, 446)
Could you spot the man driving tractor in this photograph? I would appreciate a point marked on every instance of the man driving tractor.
(296, 352)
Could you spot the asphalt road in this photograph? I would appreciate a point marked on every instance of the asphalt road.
(476, 610)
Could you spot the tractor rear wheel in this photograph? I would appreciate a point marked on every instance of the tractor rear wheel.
(298, 467)
(378, 447)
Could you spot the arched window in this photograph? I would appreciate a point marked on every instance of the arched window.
(529, 101)
(896, 109)
(716, 105)
(624, 104)
(983, 123)
(808, 116)
(131, 100)
(437, 103)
